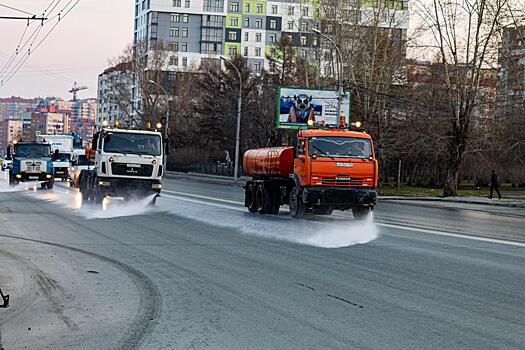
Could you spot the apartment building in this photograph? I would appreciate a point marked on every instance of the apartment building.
(199, 31)
(112, 83)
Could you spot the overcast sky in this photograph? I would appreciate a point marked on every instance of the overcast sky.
(78, 48)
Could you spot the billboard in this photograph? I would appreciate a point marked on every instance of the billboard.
(297, 106)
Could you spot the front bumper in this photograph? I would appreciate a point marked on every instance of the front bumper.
(118, 187)
(24, 177)
(340, 197)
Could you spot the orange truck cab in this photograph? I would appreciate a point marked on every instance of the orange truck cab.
(325, 170)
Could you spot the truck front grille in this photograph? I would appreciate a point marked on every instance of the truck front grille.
(130, 170)
(343, 181)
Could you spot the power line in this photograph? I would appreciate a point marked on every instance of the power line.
(15, 9)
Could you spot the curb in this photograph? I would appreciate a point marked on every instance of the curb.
(513, 204)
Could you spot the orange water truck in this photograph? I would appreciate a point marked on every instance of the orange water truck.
(325, 170)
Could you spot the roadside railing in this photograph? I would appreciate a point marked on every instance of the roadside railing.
(204, 168)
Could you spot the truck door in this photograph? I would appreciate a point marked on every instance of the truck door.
(299, 165)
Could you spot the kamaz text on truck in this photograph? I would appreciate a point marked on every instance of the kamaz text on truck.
(62, 148)
(31, 162)
(128, 163)
(326, 170)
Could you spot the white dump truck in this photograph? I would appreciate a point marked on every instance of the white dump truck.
(62, 150)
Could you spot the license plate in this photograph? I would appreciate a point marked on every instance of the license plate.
(133, 165)
(344, 165)
(33, 177)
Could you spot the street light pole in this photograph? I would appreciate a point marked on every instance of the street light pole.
(339, 71)
(238, 131)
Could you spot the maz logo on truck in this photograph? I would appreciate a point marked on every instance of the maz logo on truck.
(344, 165)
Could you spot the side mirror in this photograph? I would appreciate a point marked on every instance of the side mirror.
(9, 152)
(295, 152)
(73, 162)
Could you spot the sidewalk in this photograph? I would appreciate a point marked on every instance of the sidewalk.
(228, 180)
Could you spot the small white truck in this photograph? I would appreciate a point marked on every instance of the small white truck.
(127, 163)
(62, 151)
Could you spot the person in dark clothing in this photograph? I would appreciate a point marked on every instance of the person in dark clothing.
(494, 185)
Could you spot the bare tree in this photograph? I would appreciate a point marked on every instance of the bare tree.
(466, 35)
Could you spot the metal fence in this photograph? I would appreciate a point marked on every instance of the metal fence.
(204, 168)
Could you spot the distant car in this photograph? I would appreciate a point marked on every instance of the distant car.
(7, 163)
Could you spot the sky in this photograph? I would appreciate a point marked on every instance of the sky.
(78, 49)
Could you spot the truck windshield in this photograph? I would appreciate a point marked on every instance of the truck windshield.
(118, 142)
(82, 160)
(61, 157)
(341, 147)
(34, 150)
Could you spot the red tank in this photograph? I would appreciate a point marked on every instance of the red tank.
(268, 162)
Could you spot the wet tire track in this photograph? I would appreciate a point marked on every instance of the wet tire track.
(150, 298)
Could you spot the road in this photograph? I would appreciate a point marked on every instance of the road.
(198, 271)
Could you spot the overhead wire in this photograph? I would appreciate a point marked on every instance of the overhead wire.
(16, 9)
(5, 77)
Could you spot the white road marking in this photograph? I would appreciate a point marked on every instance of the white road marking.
(202, 197)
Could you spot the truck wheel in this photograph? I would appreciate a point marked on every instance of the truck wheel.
(264, 200)
(297, 207)
(323, 211)
(360, 213)
(249, 198)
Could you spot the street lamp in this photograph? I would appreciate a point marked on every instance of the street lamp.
(238, 132)
(339, 70)
(167, 106)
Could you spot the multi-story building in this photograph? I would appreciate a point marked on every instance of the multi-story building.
(199, 31)
(10, 130)
(48, 119)
(113, 84)
(16, 106)
(511, 86)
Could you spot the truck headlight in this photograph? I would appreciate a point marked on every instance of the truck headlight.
(156, 186)
(48, 176)
(18, 176)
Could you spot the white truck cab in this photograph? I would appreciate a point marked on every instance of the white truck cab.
(62, 151)
(128, 163)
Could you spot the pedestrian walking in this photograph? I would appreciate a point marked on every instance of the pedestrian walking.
(494, 185)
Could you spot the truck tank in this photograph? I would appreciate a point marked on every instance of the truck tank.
(268, 162)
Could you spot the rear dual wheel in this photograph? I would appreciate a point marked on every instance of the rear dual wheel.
(361, 213)
(262, 199)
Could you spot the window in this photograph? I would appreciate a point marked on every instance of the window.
(290, 25)
(185, 18)
(187, 3)
(314, 43)
(329, 28)
(258, 37)
(248, 7)
(306, 11)
(234, 7)
(272, 38)
(304, 26)
(175, 17)
(176, 3)
(304, 54)
(184, 47)
(232, 50)
(234, 22)
(184, 61)
(258, 23)
(246, 36)
(258, 51)
(272, 53)
(273, 24)
(174, 47)
(259, 8)
(246, 22)
(232, 36)
(184, 32)
(290, 10)
(303, 40)
(174, 61)
(246, 51)
(174, 32)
